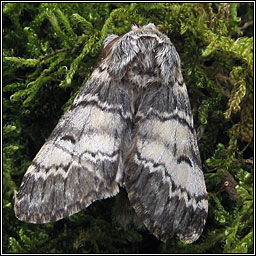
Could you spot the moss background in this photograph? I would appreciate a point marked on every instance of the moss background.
(49, 49)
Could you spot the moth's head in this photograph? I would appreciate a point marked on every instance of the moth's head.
(111, 39)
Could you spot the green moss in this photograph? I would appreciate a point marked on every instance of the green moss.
(50, 49)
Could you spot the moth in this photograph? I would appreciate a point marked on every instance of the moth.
(130, 126)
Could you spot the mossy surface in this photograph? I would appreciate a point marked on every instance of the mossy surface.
(50, 49)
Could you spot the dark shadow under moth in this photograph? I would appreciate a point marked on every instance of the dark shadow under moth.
(130, 126)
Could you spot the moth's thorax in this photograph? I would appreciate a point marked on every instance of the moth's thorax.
(143, 57)
(143, 71)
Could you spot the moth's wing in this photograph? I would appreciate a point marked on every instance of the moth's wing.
(163, 174)
(79, 163)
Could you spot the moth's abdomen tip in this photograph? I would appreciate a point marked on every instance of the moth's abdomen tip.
(190, 238)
